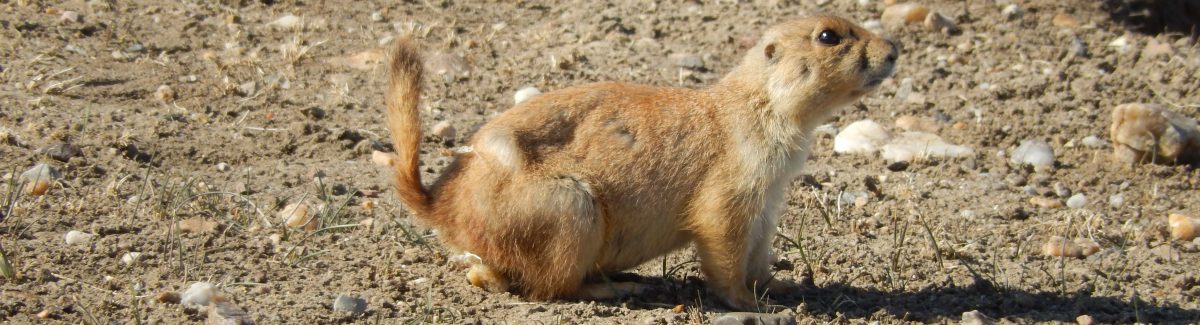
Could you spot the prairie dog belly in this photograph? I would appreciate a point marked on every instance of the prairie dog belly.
(639, 238)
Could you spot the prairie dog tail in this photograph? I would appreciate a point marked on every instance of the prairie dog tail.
(403, 120)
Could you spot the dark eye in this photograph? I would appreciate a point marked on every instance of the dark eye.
(829, 37)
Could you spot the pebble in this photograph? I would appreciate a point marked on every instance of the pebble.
(40, 172)
(1093, 142)
(287, 21)
(1046, 202)
(167, 297)
(354, 305)
(1183, 227)
(913, 123)
(135, 48)
(70, 16)
(525, 94)
(223, 167)
(911, 146)
(75, 237)
(1085, 320)
(44, 314)
(1151, 133)
(380, 158)
(377, 16)
(444, 130)
(1064, 20)
(740, 318)
(1037, 153)
(247, 89)
(62, 151)
(297, 215)
(686, 60)
(198, 294)
(131, 258)
(975, 317)
(1012, 11)
(938, 23)
(901, 14)
(1120, 43)
(898, 166)
(165, 93)
(1059, 246)
(1077, 201)
(864, 136)
(197, 225)
(1116, 200)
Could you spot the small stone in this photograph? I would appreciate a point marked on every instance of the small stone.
(1063, 20)
(353, 305)
(380, 158)
(40, 172)
(62, 151)
(1046, 202)
(740, 318)
(914, 146)
(197, 225)
(901, 14)
(975, 317)
(938, 23)
(1059, 246)
(445, 130)
(70, 16)
(247, 89)
(1151, 133)
(296, 215)
(377, 16)
(199, 294)
(1037, 153)
(165, 93)
(1116, 200)
(1078, 47)
(1012, 11)
(226, 313)
(898, 166)
(131, 258)
(1183, 227)
(75, 237)
(135, 48)
(1093, 142)
(1077, 201)
(1085, 320)
(1120, 43)
(525, 93)
(167, 297)
(686, 60)
(287, 21)
(44, 314)
(913, 123)
(864, 136)
(223, 167)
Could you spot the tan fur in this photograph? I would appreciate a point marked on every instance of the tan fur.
(603, 177)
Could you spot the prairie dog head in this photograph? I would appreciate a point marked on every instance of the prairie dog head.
(810, 66)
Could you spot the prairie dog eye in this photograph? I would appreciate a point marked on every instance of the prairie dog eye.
(829, 37)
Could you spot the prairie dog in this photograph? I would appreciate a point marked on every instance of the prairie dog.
(602, 177)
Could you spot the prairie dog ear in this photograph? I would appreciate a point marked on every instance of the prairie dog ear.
(771, 53)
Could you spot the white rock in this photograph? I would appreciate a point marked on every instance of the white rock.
(288, 21)
(1116, 200)
(223, 167)
(525, 93)
(40, 172)
(131, 258)
(74, 237)
(1012, 11)
(198, 294)
(864, 136)
(1121, 44)
(353, 305)
(1151, 133)
(1033, 152)
(1094, 142)
(1077, 201)
(911, 146)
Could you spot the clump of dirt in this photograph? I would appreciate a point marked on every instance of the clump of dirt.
(273, 103)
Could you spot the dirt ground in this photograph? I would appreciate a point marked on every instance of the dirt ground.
(260, 112)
